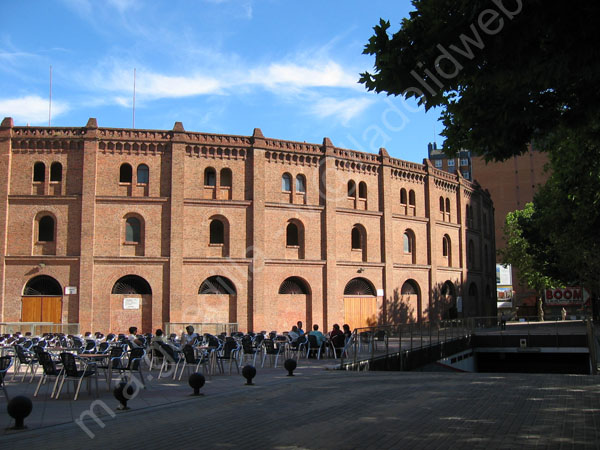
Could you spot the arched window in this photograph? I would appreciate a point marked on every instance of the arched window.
(411, 198)
(448, 207)
(403, 196)
(357, 243)
(292, 235)
(210, 177)
(486, 256)
(133, 230)
(125, 173)
(42, 285)
(409, 288)
(217, 285)
(351, 189)
(131, 284)
(286, 182)
(471, 255)
(447, 249)
(360, 287)
(39, 172)
(226, 177)
(46, 229)
(294, 286)
(300, 183)
(217, 232)
(441, 204)
(362, 190)
(56, 171)
(143, 174)
(408, 242)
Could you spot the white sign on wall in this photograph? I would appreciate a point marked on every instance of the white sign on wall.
(379, 292)
(70, 290)
(131, 303)
(503, 275)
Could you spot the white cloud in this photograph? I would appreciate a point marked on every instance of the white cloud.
(30, 109)
(344, 110)
(328, 74)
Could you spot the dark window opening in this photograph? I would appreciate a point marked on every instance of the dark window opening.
(132, 230)
(39, 172)
(46, 229)
(56, 171)
(125, 174)
(217, 232)
(210, 177)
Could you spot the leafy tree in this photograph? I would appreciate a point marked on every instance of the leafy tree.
(567, 207)
(525, 249)
(504, 72)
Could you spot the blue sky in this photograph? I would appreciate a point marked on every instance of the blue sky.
(219, 66)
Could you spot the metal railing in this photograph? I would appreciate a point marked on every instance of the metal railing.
(367, 344)
(211, 328)
(38, 328)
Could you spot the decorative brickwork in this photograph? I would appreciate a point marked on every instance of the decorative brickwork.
(288, 227)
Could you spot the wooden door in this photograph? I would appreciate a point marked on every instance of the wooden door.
(31, 310)
(52, 309)
(360, 312)
(41, 309)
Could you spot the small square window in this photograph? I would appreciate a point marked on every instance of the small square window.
(438, 163)
(450, 163)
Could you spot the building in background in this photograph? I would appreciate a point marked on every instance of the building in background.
(512, 184)
(440, 161)
(110, 228)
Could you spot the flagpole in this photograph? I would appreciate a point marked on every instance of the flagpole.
(50, 100)
(133, 126)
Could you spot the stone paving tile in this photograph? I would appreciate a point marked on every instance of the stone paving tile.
(326, 409)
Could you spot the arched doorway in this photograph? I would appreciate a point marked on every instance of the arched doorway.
(42, 300)
(294, 303)
(131, 305)
(360, 303)
(474, 308)
(217, 300)
(448, 301)
(411, 299)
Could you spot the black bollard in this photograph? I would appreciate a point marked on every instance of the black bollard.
(18, 408)
(249, 372)
(290, 365)
(196, 381)
(120, 395)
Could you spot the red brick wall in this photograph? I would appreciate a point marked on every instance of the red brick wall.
(175, 208)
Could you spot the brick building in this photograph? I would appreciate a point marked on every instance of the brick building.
(512, 184)
(116, 227)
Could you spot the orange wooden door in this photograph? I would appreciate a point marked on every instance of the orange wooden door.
(360, 312)
(41, 309)
(52, 309)
(31, 309)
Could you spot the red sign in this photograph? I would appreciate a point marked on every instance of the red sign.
(566, 296)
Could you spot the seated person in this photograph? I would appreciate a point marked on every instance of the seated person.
(134, 342)
(347, 331)
(300, 330)
(293, 335)
(315, 332)
(336, 331)
(190, 337)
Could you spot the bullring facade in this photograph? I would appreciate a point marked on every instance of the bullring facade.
(116, 227)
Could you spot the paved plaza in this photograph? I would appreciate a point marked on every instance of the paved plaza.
(320, 408)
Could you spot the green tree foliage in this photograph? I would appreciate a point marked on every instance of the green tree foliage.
(504, 72)
(525, 248)
(567, 207)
